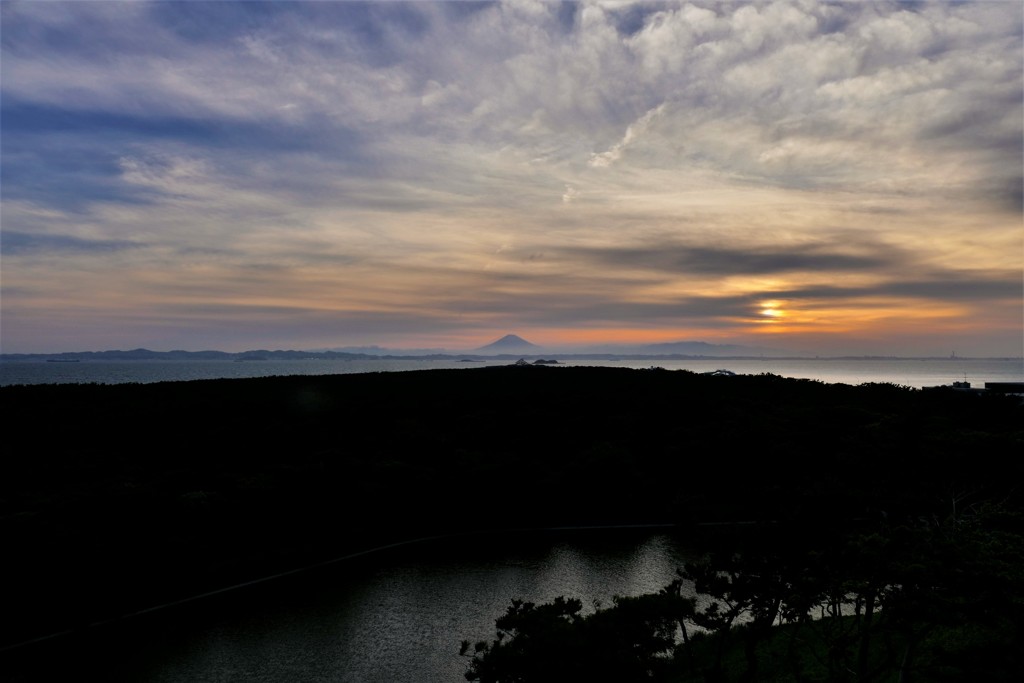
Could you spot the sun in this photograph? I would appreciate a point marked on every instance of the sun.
(771, 311)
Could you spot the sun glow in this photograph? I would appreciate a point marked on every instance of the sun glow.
(771, 311)
(617, 335)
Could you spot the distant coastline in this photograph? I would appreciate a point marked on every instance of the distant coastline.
(263, 354)
(116, 368)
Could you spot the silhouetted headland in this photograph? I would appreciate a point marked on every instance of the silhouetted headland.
(118, 497)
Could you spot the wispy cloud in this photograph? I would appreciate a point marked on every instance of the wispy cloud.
(471, 168)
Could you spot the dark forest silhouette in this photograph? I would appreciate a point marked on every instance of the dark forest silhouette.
(118, 497)
(933, 599)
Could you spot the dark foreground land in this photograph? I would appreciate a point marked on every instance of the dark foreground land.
(114, 498)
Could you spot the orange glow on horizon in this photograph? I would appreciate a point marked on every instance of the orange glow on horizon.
(624, 336)
(777, 318)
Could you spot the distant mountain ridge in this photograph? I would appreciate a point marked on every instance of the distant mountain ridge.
(510, 343)
(146, 354)
(514, 344)
(668, 351)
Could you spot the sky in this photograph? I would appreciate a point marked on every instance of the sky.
(830, 178)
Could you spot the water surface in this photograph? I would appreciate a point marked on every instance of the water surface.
(393, 617)
(906, 372)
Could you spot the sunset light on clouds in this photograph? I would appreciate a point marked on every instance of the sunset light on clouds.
(821, 177)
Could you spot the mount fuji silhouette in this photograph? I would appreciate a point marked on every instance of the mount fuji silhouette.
(510, 343)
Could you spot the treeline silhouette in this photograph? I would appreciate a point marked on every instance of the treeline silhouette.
(932, 599)
(117, 497)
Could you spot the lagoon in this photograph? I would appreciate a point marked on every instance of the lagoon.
(396, 616)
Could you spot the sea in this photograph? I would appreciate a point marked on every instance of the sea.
(913, 373)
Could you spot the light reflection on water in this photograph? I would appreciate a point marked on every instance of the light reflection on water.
(146, 371)
(393, 617)
(403, 620)
(908, 372)
(915, 373)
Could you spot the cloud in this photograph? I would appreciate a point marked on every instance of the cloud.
(638, 159)
(635, 130)
(19, 242)
(749, 259)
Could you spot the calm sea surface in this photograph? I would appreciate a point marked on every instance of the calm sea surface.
(911, 373)
(392, 617)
